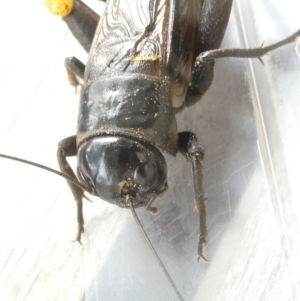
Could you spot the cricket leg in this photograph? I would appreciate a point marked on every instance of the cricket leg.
(75, 69)
(191, 148)
(244, 53)
(82, 22)
(68, 148)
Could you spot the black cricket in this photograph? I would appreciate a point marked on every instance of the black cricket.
(148, 60)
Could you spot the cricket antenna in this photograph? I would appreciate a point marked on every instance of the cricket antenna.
(75, 181)
(71, 179)
(155, 253)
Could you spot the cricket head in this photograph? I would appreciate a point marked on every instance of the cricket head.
(122, 171)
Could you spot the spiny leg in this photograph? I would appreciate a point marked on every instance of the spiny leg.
(203, 68)
(68, 148)
(244, 53)
(190, 147)
(75, 68)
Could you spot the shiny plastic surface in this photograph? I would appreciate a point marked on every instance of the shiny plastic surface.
(248, 123)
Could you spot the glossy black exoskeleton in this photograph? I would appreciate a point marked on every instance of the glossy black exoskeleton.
(137, 77)
(147, 61)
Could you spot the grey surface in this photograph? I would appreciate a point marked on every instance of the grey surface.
(249, 125)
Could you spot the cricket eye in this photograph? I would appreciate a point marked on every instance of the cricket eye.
(145, 175)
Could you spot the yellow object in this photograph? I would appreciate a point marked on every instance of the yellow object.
(60, 8)
(154, 57)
